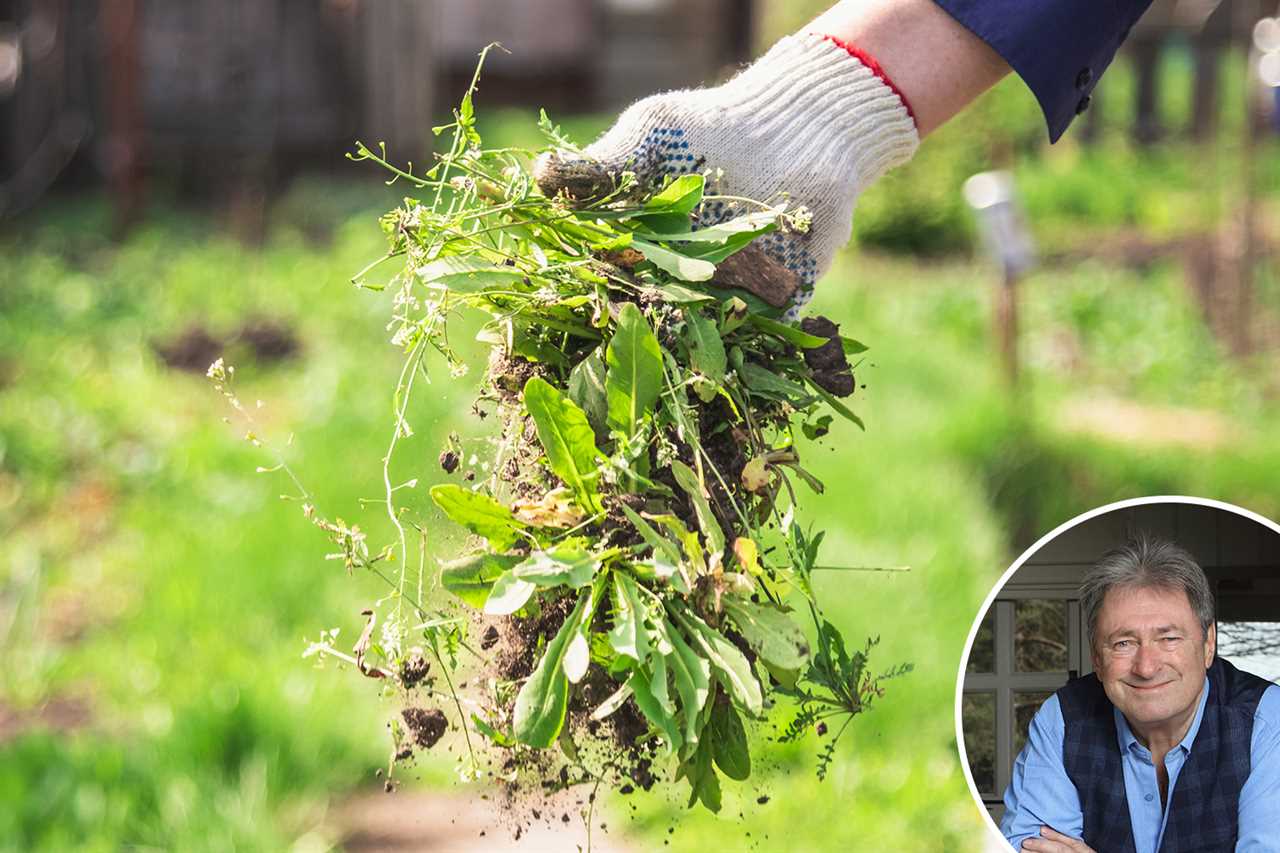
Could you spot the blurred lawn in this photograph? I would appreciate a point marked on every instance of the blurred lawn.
(150, 576)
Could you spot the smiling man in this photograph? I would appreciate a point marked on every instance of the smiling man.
(1165, 748)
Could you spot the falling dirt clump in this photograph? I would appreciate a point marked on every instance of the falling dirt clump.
(449, 461)
(426, 725)
(413, 670)
(831, 370)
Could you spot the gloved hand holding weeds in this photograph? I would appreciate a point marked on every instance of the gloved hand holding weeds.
(809, 121)
(816, 121)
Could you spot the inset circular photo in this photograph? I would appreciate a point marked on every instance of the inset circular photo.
(1118, 691)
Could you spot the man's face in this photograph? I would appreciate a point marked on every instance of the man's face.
(1150, 654)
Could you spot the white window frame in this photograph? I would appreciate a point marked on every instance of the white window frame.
(1004, 682)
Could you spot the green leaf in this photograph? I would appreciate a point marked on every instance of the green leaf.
(702, 508)
(692, 545)
(661, 222)
(717, 242)
(658, 685)
(734, 670)
(752, 224)
(498, 738)
(508, 595)
(770, 633)
(706, 349)
(469, 274)
(567, 438)
(680, 196)
(532, 348)
(635, 371)
(729, 742)
(541, 703)
(471, 578)
(614, 243)
(467, 111)
(681, 295)
(629, 636)
(766, 383)
(703, 782)
(655, 540)
(565, 566)
(834, 402)
(478, 513)
(692, 676)
(852, 347)
(586, 389)
(652, 708)
(577, 657)
(675, 264)
(789, 333)
(817, 428)
(567, 746)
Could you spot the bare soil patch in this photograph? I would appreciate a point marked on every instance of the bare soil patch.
(448, 823)
(1131, 422)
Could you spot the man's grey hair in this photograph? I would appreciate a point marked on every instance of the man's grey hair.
(1143, 563)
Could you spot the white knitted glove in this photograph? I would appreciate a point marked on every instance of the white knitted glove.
(808, 120)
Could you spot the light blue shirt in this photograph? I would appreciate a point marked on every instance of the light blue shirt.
(1041, 793)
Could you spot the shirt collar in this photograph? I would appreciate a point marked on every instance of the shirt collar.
(1128, 740)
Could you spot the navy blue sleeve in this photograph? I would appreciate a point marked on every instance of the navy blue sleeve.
(1058, 47)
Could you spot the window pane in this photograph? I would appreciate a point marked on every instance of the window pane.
(982, 657)
(1040, 635)
(978, 718)
(1025, 706)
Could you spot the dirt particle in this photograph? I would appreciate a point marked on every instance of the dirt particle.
(830, 366)
(413, 670)
(762, 799)
(449, 461)
(427, 725)
(822, 729)
(489, 638)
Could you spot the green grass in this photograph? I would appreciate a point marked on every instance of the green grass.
(127, 503)
(194, 583)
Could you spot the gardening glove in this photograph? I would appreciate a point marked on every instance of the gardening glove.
(813, 121)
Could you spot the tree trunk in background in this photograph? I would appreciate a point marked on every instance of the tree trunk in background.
(1146, 64)
(1207, 47)
(122, 149)
(1204, 103)
(397, 77)
(1247, 14)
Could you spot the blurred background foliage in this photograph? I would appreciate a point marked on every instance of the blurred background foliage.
(156, 593)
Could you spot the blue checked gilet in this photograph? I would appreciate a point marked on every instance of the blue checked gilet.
(1204, 802)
